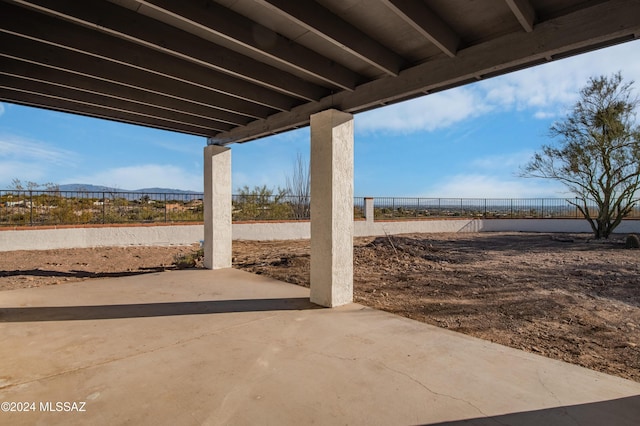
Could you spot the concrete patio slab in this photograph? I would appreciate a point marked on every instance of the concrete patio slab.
(227, 347)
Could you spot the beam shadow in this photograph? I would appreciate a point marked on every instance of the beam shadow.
(146, 310)
(619, 412)
(74, 273)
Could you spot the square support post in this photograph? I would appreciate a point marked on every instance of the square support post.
(369, 211)
(331, 208)
(217, 207)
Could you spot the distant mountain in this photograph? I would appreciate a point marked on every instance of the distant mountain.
(88, 188)
(166, 190)
(100, 188)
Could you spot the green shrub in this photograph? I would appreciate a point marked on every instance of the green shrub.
(189, 260)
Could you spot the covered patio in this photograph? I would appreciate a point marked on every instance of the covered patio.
(236, 71)
(228, 347)
(225, 347)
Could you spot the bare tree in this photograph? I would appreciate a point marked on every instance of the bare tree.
(16, 184)
(598, 157)
(298, 188)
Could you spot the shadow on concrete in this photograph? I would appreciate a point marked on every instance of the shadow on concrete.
(623, 411)
(82, 274)
(143, 310)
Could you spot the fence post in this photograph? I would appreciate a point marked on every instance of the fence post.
(104, 201)
(31, 207)
(368, 209)
(165, 208)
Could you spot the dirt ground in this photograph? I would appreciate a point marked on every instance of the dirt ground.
(562, 296)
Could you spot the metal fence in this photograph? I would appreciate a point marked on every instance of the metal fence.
(270, 207)
(358, 208)
(408, 208)
(394, 208)
(31, 208)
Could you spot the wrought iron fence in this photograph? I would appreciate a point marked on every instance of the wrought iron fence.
(30, 208)
(270, 207)
(358, 208)
(399, 208)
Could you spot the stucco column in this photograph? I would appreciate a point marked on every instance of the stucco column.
(331, 208)
(217, 207)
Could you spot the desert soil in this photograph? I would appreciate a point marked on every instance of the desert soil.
(562, 296)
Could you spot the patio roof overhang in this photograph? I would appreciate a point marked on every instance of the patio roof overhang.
(234, 71)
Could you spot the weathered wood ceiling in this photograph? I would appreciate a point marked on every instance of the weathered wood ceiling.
(237, 70)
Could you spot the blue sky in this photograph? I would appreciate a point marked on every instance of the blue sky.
(464, 142)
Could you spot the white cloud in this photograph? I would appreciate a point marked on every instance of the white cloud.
(427, 113)
(543, 115)
(546, 90)
(27, 150)
(495, 176)
(144, 176)
(31, 160)
(487, 186)
(505, 161)
(549, 89)
(542, 87)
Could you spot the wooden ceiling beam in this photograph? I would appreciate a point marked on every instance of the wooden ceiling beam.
(108, 102)
(427, 23)
(524, 12)
(154, 104)
(215, 105)
(219, 22)
(46, 29)
(332, 28)
(92, 110)
(128, 25)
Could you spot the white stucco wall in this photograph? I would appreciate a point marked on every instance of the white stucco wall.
(367, 228)
(164, 235)
(266, 231)
(43, 239)
(551, 225)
